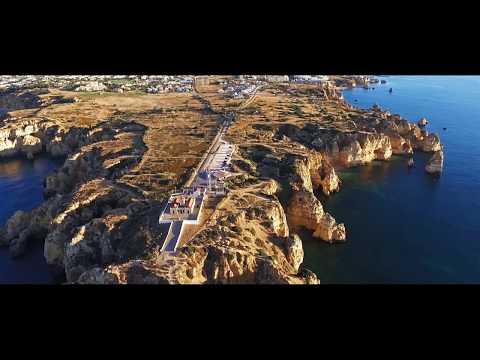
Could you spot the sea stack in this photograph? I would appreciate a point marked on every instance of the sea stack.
(435, 164)
(422, 122)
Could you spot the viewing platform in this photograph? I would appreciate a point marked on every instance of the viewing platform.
(184, 206)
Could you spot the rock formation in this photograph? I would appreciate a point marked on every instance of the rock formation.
(305, 210)
(30, 137)
(30, 145)
(364, 148)
(400, 145)
(435, 164)
(246, 241)
(430, 143)
(422, 122)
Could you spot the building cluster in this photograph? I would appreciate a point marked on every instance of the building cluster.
(182, 204)
(309, 78)
(113, 83)
(185, 205)
(240, 90)
(265, 78)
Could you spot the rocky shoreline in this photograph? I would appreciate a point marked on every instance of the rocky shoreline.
(98, 229)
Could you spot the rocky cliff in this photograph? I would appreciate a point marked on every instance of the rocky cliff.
(87, 216)
(435, 164)
(247, 240)
(306, 174)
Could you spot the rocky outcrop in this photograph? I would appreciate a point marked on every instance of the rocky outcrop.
(305, 210)
(24, 227)
(83, 221)
(323, 176)
(435, 164)
(233, 248)
(246, 241)
(112, 150)
(15, 226)
(30, 137)
(269, 187)
(400, 145)
(30, 145)
(294, 251)
(305, 174)
(422, 122)
(21, 137)
(360, 149)
(90, 229)
(327, 229)
(132, 272)
(402, 132)
(311, 172)
(430, 143)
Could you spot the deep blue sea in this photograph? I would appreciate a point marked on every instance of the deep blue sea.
(21, 189)
(405, 226)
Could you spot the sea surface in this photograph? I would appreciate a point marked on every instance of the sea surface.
(404, 226)
(21, 189)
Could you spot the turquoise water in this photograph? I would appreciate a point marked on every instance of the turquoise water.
(21, 189)
(404, 226)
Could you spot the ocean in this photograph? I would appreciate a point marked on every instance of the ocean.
(404, 226)
(21, 189)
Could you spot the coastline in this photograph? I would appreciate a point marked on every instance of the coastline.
(21, 189)
(426, 233)
(310, 162)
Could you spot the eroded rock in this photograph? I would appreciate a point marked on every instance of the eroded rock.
(435, 164)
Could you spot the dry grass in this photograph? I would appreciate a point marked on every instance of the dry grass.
(274, 107)
(178, 130)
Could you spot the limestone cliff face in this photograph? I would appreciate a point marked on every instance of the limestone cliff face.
(435, 164)
(322, 173)
(22, 137)
(402, 132)
(400, 145)
(30, 145)
(109, 151)
(374, 136)
(328, 178)
(88, 230)
(328, 229)
(85, 219)
(305, 210)
(310, 172)
(30, 137)
(33, 136)
(294, 251)
(430, 143)
(24, 227)
(358, 149)
(298, 173)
